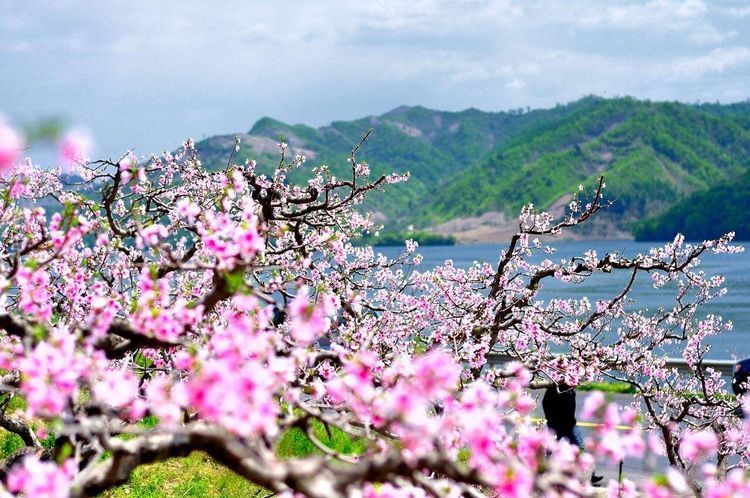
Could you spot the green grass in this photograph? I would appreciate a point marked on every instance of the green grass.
(295, 444)
(608, 387)
(9, 443)
(625, 388)
(196, 475)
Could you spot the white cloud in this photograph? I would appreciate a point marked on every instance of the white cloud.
(692, 18)
(208, 67)
(637, 15)
(717, 61)
(710, 35)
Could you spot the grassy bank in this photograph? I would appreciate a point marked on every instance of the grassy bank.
(608, 387)
(198, 475)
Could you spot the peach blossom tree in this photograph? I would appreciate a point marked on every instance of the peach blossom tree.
(231, 307)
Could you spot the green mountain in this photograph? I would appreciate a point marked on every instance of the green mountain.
(703, 215)
(466, 164)
(431, 145)
(652, 154)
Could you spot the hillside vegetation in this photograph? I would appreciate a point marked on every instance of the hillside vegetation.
(703, 215)
(464, 164)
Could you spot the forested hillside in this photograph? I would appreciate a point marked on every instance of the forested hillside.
(703, 215)
(432, 145)
(464, 164)
(651, 155)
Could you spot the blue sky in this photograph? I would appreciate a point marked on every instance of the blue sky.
(147, 74)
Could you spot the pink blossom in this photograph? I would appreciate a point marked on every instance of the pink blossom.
(695, 444)
(187, 209)
(33, 478)
(655, 444)
(307, 320)
(152, 235)
(117, 388)
(525, 404)
(166, 399)
(50, 374)
(17, 189)
(435, 374)
(610, 446)
(514, 482)
(625, 489)
(11, 145)
(126, 165)
(249, 240)
(592, 403)
(75, 148)
(35, 293)
(238, 399)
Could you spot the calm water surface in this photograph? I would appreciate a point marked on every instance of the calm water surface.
(734, 306)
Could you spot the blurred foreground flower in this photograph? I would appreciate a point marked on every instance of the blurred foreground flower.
(75, 148)
(11, 144)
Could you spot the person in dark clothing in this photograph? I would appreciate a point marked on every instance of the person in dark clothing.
(740, 381)
(740, 377)
(278, 317)
(559, 405)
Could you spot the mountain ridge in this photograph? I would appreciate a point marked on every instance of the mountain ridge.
(468, 163)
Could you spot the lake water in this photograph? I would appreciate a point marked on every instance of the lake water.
(734, 306)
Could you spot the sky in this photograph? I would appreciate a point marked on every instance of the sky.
(148, 74)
